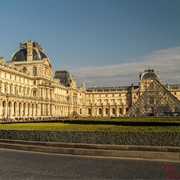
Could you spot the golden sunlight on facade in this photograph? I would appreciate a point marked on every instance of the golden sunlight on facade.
(29, 91)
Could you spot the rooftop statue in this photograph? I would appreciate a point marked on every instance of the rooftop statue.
(35, 44)
(23, 45)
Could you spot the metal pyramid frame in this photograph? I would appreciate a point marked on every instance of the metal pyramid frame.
(155, 100)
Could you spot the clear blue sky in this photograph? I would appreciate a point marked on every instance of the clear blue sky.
(99, 37)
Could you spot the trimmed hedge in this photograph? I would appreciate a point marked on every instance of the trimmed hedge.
(115, 138)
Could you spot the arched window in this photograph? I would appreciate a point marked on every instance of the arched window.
(32, 109)
(34, 93)
(28, 112)
(34, 71)
(4, 108)
(24, 108)
(15, 108)
(37, 109)
(19, 109)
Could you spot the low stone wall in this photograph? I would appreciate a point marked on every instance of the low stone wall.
(115, 138)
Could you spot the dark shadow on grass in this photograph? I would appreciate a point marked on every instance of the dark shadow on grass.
(101, 122)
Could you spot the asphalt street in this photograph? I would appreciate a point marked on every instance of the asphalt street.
(24, 165)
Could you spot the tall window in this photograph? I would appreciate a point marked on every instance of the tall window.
(24, 108)
(34, 93)
(5, 88)
(15, 107)
(15, 90)
(34, 71)
(11, 89)
(19, 108)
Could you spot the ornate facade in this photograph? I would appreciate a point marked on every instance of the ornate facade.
(28, 90)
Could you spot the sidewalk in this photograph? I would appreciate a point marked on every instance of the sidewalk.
(143, 152)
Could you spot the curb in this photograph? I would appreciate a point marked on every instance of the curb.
(143, 152)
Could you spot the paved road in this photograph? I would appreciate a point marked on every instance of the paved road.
(19, 165)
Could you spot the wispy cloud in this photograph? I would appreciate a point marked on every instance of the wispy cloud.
(167, 61)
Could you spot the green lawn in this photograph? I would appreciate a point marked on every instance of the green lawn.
(59, 126)
(136, 119)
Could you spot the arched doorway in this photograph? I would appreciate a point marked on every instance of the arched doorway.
(3, 109)
(15, 110)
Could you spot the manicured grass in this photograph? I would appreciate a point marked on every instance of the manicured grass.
(135, 119)
(86, 127)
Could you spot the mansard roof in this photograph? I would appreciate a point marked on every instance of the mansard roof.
(115, 88)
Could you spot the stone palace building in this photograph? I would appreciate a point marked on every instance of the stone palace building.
(28, 90)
